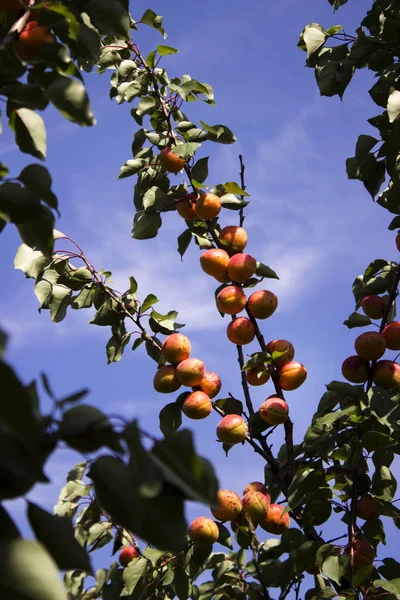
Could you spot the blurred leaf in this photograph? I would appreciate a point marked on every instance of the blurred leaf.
(109, 17)
(69, 96)
(170, 418)
(38, 180)
(30, 132)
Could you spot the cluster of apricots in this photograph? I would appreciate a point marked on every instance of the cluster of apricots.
(189, 372)
(33, 36)
(252, 510)
(371, 346)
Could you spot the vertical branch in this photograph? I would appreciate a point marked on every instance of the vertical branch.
(242, 170)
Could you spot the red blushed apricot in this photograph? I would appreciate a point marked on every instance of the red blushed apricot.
(203, 531)
(127, 554)
(190, 372)
(367, 508)
(370, 345)
(197, 406)
(397, 241)
(387, 374)
(255, 505)
(208, 206)
(262, 304)
(165, 380)
(241, 267)
(210, 384)
(240, 331)
(256, 486)
(391, 333)
(231, 429)
(274, 411)
(355, 369)
(363, 553)
(373, 306)
(176, 348)
(275, 522)
(31, 39)
(231, 300)
(234, 238)
(256, 376)
(186, 209)
(171, 162)
(292, 375)
(214, 262)
(228, 506)
(281, 346)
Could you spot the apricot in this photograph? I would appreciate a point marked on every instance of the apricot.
(240, 331)
(176, 348)
(274, 411)
(11, 6)
(127, 554)
(363, 553)
(367, 507)
(255, 505)
(391, 333)
(241, 267)
(274, 521)
(208, 206)
(190, 372)
(224, 278)
(203, 531)
(292, 375)
(373, 306)
(210, 384)
(228, 506)
(281, 346)
(355, 369)
(257, 376)
(31, 39)
(171, 162)
(234, 238)
(197, 405)
(214, 262)
(186, 207)
(231, 300)
(165, 380)
(387, 374)
(262, 304)
(256, 486)
(370, 345)
(232, 429)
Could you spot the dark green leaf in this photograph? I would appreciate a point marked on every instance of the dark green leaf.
(357, 320)
(109, 17)
(264, 271)
(30, 132)
(183, 242)
(170, 418)
(69, 95)
(145, 225)
(200, 170)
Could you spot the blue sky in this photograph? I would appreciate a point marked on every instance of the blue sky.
(306, 220)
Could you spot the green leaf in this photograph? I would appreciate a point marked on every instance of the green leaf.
(151, 19)
(170, 418)
(109, 17)
(364, 145)
(57, 536)
(131, 167)
(357, 320)
(393, 586)
(186, 150)
(165, 50)
(134, 572)
(184, 241)
(109, 313)
(146, 226)
(117, 343)
(69, 96)
(224, 537)
(393, 106)
(200, 170)
(38, 180)
(314, 37)
(264, 271)
(3, 170)
(149, 301)
(31, 262)
(395, 223)
(30, 132)
(86, 428)
(223, 136)
(27, 572)
(232, 188)
(153, 351)
(230, 406)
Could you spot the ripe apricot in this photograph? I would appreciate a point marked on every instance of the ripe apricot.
(367, 507)
(256, 486)
(186, 207)
(262, 304)
(234, 239)
(391, 333)
(228, 506)
(363, 553)
(210, 384)
(127, 554)
(281, 346)
(176, 348)
(256, 376)
(274, 411)
(232, 429)
(373, 306)
(231, 300)
(224, 278)
(165, 380)
(241, 267)
(197, 405)
(171, 162)
(370, 345)
(240, 331)
(31, 39)
(214, 262)
(203, 531)
(255, 505)
(355, 369)
(190, 372)
(275, 522)
(387, 374)
(208, 206)
(292, 375)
